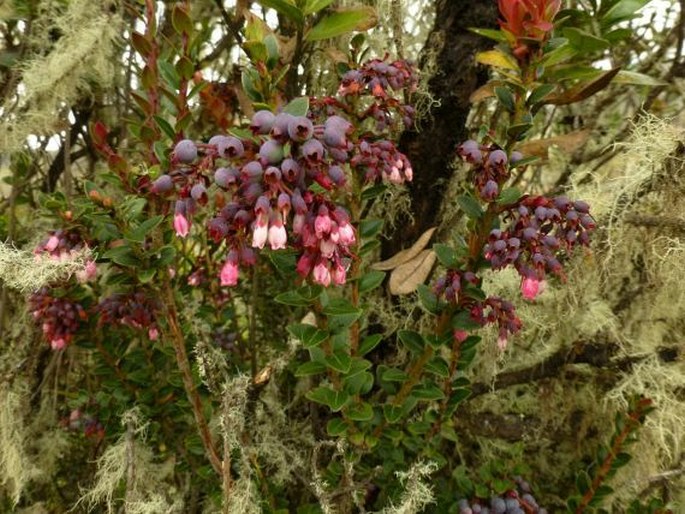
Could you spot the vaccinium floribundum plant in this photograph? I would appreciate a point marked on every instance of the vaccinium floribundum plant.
(263, 223)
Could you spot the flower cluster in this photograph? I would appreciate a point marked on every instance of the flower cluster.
(497, 310)
(539, 228)
(135, 310)
(63, 245)
(382, 159)
(60, 318)
(452, 284)
(490, 166)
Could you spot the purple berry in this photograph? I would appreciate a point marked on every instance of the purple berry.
(497, 158)
(225, 177)
(262, 121)
(271, 151)
(199, 193)
(279, 129)
(185, 151)
(313, 150)
(470, 151)
(163, 184)
(290, 169)
(515, 157)
(300, 129)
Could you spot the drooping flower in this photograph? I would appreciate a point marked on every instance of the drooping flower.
(229, 271)
(531, 287)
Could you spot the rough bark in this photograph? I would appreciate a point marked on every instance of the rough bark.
(432, 148)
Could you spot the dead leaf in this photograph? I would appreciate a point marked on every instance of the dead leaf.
(407, 277)
(483, 92)
(582, 90)
(568, 143)
(403, 256)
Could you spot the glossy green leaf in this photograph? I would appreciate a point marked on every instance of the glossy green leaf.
(370, 227)
(446, 255)
(297, 107)
(361, 411)
(336, 427)
(339, 361)
(369, 343)
(342, 22)
(310, 368)
(470, 206)
(413, 341)
(370, 281)
(313, 6)
(286, 8)
(509, 196)
(309, 335)
(335, 400)
(394, 375)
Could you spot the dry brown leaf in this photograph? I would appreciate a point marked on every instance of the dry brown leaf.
(483, 92)
(404, 255)
(568, 143)
(407, 277)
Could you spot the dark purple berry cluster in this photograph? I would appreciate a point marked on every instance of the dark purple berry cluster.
(538, 229)
(59, 318)
(384, 83)
(517, 501)
(490, 166)
(136, 310)
(492, 310)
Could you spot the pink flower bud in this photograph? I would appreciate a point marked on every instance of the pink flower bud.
(321, 274)
(259, 234)
(181, 225)
(58, 343)
(304, 264)
(339, 274)
(52, 243)
(87, 274)
(531, 288)
(346, 234)
(229, 271)
(153, 333)
(277, 234)
(327, 248)
(322, 223)
(460, 335)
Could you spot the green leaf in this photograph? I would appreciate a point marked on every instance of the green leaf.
(369, 343)
(123, 256)
(342, 22)
(339, 361)
(165, 126)
(370, 280)
(286, 8)
(342, 312)
(539, 93)
(310, 368)
(169, 74)
(462, 320)
(496, 35)
(361, 411)
(167, 254)
(370, 227)
(358, 380)
(623, 11)
(582, 482)
(185, 68)
(336, 427)
(394, 375)
(506, 98)
(373, 191)
(180, 19)
(509, 196)
(518, 132)
(146, 275)
(584, 42)
(335, 400)
(413, 341)
(308, 334)
(297, 107)
(292, 298)
(438, 366)
(428, 391)
(446, 255)
(428, 299)
(137, 235)
(559, 55)
(313, 6)
(392, 413)
(470, 206)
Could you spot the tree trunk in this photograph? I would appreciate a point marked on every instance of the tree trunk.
(431, 149)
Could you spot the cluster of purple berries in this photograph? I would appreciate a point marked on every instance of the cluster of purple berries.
(492, 310)
(381, 81)
(135, 310)
(491, 166)
(60, 318)
(382, 159)
(519, 501)
(268, 188)
(539, 227)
